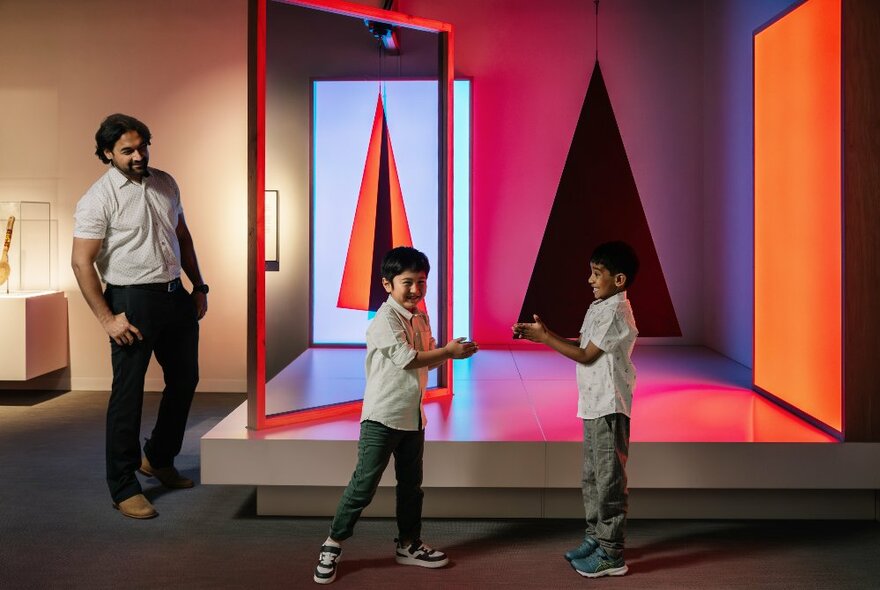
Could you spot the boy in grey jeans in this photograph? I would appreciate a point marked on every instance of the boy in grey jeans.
(605, 379)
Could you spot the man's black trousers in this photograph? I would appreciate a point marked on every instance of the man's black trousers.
(170, 329)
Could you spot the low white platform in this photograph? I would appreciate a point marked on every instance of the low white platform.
(508, 444)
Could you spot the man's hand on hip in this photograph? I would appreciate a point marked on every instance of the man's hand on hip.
(121, 331)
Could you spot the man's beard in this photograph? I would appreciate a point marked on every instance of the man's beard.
(145, 168)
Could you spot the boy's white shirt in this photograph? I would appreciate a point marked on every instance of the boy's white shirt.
(393, 395)
(606, 386)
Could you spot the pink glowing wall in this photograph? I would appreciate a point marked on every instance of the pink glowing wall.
(679, 76)
(531, 62)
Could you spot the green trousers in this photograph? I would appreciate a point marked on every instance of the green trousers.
(376, 445)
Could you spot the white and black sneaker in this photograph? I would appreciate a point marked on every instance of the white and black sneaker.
(417, 553)
(325, 571)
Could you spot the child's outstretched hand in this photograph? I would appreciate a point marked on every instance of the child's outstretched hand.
(461, 348)
(536, 332)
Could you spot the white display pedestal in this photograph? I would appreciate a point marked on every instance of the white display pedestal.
(34, 334)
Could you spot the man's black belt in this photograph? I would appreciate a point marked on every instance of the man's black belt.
(169, 287)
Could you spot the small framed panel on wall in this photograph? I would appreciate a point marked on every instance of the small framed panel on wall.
(271, 224)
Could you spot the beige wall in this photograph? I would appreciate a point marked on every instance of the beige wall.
(181, 67)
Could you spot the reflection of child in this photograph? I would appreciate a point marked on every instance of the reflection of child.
(400, 350)
(605, 378)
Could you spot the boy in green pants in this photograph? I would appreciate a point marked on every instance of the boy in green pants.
(400, 351)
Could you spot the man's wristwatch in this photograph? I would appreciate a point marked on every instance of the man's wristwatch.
(203, 288)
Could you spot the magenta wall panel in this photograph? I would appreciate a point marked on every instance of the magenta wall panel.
(527, 95)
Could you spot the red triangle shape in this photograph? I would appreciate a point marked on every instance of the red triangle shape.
(380, 222)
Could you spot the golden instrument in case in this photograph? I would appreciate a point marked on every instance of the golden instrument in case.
(4, 259)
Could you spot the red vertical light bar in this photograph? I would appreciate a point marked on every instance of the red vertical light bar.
(450, 192)
(798, 280)
(260, 181)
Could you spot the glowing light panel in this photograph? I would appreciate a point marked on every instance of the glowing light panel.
(461, 226)
(344, 112)
(798, 235)
(343, 118)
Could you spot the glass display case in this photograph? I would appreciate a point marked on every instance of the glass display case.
(29, 261)
(33, 313)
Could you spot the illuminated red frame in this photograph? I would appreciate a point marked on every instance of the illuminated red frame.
(256, 378)
(798, 211)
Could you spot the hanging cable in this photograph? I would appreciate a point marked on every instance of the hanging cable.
(383, 87)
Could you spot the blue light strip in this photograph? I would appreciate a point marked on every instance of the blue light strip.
(461, 238)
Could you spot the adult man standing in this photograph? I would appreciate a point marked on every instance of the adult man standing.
(130, 225)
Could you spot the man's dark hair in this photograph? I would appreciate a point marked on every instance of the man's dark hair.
(617, 257)
(402, 259)
(114, 127)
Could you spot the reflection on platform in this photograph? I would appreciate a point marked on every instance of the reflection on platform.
(683, 394)
(320, 377)
(317, 377)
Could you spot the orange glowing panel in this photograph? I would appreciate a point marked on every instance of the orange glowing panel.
(380, 222)
(798, 279)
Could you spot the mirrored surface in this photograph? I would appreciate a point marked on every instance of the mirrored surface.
(325, 73)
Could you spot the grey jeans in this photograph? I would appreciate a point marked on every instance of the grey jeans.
(606, 447)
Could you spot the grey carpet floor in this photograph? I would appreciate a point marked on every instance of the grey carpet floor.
(58, 529)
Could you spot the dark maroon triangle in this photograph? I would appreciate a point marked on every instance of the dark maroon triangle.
(382, 237)
(597, 201)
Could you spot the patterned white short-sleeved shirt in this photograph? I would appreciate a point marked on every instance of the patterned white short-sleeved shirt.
(138, 223)
(393, 395)
(606, 386)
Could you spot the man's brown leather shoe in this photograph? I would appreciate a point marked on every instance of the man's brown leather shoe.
(169, 476)
(136, 507)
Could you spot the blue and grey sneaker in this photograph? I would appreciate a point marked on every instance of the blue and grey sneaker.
(417, 553)
(325, 571)
(585, 549)
(599, 564)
